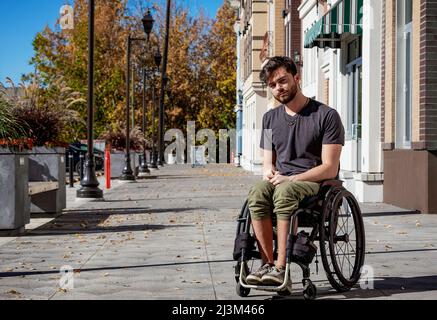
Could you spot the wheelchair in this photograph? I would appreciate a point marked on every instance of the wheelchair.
(333, 219)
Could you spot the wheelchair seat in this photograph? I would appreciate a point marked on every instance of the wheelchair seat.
(312, 201)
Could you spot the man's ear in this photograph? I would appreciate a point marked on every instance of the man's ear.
(298, 80)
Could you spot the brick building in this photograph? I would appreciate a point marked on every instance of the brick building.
(409, 103)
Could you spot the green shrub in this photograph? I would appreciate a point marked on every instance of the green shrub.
(43, 114)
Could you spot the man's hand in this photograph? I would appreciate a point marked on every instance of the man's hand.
(268, 175)
(278, 179)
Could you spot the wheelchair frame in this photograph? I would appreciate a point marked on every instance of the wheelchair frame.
(322, 213)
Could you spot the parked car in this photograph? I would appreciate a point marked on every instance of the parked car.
(79, 148)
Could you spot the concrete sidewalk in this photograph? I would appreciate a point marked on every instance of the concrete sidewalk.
(171, 236)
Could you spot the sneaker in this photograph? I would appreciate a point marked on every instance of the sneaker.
(255, 277)
(274, 277)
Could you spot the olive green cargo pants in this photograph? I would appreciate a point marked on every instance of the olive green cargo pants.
(265, 199)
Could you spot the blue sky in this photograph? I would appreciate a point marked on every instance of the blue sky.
(20, 20)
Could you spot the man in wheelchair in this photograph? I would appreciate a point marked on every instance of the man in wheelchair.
(302, 140)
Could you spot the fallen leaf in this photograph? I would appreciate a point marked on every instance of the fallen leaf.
(15, 292)
(106, 274)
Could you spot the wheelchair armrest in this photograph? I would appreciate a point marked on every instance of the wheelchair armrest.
(332, 183)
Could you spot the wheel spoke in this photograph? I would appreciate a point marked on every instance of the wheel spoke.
(346, 257)
(343, 258)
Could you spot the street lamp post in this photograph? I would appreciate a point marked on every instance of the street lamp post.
(127, 173)
(163, 85)
(144, 170)
(90, 184)
(158, 60)
(148, 21)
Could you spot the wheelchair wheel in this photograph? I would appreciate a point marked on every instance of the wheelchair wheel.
(342, 235)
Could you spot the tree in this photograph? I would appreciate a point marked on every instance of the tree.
(201, 66)
(223, 60)
(64, 54)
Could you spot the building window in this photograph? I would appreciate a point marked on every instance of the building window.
(248, 46)
(288, 30)
(404, 74)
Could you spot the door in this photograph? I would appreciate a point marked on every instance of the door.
(355, 86)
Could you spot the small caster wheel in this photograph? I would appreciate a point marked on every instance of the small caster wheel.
(286, 292)
(242, 291)
(310, 291)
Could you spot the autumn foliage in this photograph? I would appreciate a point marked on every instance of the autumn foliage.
(201, 66)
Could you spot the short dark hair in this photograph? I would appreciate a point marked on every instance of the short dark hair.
(275, 63)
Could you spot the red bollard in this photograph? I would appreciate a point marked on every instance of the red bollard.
(108, 168)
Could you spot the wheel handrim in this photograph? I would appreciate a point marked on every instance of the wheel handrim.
(347, 248)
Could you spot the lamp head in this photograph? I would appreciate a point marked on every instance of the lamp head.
(148, 22)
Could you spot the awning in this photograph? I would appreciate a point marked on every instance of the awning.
(345, 17)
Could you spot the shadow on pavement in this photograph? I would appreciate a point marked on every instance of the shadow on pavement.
(388, 214)
(98, 221)
(34, 273)
(382, 287)
(388, 286)
(123, 211)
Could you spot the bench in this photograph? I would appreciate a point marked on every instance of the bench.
(47, 197)
(42, 187)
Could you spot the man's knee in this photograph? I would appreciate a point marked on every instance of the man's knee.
(260, 200)
(261, 190)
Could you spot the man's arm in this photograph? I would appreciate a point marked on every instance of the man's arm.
(327, 170)
(269, 160)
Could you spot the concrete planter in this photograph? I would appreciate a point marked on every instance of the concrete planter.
(118, 162)
(48, 165)
(14, 191)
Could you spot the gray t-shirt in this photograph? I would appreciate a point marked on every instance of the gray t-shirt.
(297, 140)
